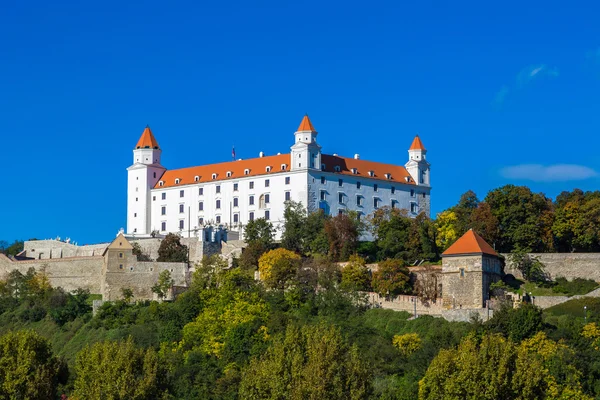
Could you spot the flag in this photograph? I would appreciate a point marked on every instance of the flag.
(233, 153)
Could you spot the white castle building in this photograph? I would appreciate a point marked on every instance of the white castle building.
(230, 194)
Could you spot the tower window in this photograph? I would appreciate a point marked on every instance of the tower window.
(462, 272)
(251, 200)
(181, 208)
(424, 195)
(375, 187)
(267, 215)
(163, 226)
(164, 196)
(251, 185)
(120, 255)
(287, 180)
(236, 218)
(288, 196)
(200, 221)
(359, 200)
(412, 193)
(218, 189)
(201, 191)
(340, 182)
(235, 187)
(267, 183)
(323, 194)
(218, 204)
(235, 201)
(155, 175)
(251, 216)
(358, 185)
(218, 219)
(181, 193)
(134, 215)
(322, 180)
(375, 202)
(163, 211)
(414, 208)
(393, 190)
(341, 198)
(201, 206)
(181, 224)
(393, 203)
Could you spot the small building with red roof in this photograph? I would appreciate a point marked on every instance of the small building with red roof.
(469, 266)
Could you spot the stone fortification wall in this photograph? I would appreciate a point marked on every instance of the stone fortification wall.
(466, 315)
(405, 303)
(568, 265)
(50, 249)
(140, 277)
(69, 273)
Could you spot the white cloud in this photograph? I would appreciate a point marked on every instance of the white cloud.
(535, 71)
(548, 173)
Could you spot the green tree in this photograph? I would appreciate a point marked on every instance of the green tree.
(467, 204)
(391, 278)
(277, 267)
(171, 249)
(127, 295)
(391, 227)
(28, 369)
(251, 254)
(484, 222)
(407, 344)
(118, 371)
(313, 233)
(342, 232)
(11, 250)
(294, 217)
(356, 275)
(525, 219)
(260, 230)
(139, 252)
(312, 362)
(577, 221)
(164, 284)
(530, 266)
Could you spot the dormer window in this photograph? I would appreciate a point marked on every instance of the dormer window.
(161, 183)
(323, 167)
(177, 181)
(268, 169)
(283, 167)
(388, 176)
(214, 176)
(371, 173)
(337, 168)
(354, 171)
(229, 173)
(407, 178)
(196, 178)
(246, 171)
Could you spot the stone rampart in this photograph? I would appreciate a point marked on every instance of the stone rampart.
(405, 303)
(567, 265)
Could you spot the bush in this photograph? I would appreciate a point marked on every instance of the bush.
(574, 287)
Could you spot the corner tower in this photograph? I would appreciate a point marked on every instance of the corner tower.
(417, 165)
(141, 178)
(306, 153)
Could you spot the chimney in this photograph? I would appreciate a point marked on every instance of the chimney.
(357, 156)
(261, 154)
(335, 154)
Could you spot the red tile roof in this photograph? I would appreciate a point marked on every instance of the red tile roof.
(147, 140)
(417, 144)
(470, 243)
(258, 166)
(306, 125)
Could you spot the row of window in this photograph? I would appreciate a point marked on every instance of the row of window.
(263, 201)
(236, 219)
(218, 188)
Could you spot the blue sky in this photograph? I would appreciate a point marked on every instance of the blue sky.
(502, 93)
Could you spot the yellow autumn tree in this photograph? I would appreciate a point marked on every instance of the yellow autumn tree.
(277, 266)
(407, 344)
(447, 229)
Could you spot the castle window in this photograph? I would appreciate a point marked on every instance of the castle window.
(235, 201)
(201, 206)
(246, 171)
(218, 219)
(340, 182)
(323, 194)
(229, 173)
(424, 195)
(358, 185)
(120, 255)
(388, 176)
(163, 226)
(287, 180)
(153, 198)
(267, 183)
(164, 196)
(163, 211)
(218, 205)
(236, 218)
(181, 208)
(134, 215)
(414, 208)
(161, 183)
(322, 180)
(235, 187)
(462, 272)
(323, 167)
(155, 175)
(196, 178)
(283, 167)
(393, 190)
(354, 171)
(375, 187)
(251, 216)
(201, 191)
(341, 198)
(214, 176)
(263, 200)
(288, 196)
(412, 193)
(337, 168)
(181, 194)
(181, 224)
(267, 215)
(218, 189)
(375, 202)
(200, 221)
(268, 169)
(359, 201)
(393, 203)
(120, 266)
(130, 268)
(251, 200)
(136, 199)
(251, 185)
(177, 181)
(340, 212)
(371, 173)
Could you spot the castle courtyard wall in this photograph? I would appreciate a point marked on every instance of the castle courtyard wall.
(567, 265)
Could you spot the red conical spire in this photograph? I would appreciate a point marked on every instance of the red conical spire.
(417, 144)
(306, 125)
(147, 140)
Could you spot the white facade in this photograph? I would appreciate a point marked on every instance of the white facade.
(233, 193)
